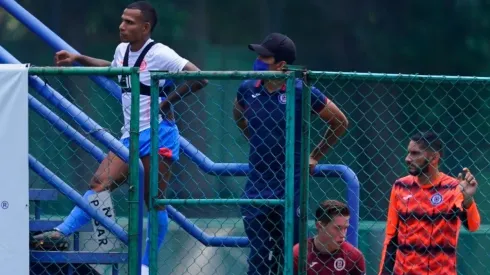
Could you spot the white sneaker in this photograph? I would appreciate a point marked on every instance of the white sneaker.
(145, 270)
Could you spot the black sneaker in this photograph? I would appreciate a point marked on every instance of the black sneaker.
(49, 241)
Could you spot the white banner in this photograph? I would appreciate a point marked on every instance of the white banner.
(14, 170)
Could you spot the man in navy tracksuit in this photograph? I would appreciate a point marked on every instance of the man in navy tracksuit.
(260, 112)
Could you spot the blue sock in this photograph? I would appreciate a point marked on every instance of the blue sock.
(76, 219)
(162, 231)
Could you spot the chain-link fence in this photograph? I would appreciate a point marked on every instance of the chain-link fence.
(385, 111)
(68, 155)
(234, 136)
(213, 236)
(263, 212)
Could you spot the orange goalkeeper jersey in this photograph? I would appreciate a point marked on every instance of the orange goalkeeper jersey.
(423, 226)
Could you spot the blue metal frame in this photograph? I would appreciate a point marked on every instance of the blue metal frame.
(230, 169)
(78, 257)
(203, 162)
(212, 168)
(66, 129)
(201, 236)
(208, 166)
(321, 170)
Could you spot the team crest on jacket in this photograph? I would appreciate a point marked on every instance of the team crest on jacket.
(282, 98)
(436, 199)
(339, 264)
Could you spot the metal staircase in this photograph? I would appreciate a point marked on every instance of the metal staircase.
(65, 262)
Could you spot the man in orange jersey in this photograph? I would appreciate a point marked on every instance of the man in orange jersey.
(425, 213)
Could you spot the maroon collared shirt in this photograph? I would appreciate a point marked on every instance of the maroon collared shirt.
(348, 260)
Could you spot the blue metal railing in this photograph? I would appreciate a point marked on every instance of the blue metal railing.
(321, 170)
(204, 163)
(92, 149)
(235, 169)
(66, 129)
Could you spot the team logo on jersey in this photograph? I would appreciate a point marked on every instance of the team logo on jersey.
(436, 199)
(282, 98)
(339, 264)
(143, 65)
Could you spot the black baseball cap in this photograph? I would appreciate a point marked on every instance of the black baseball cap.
(277, 45)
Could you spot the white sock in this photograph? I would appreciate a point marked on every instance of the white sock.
(144, 270)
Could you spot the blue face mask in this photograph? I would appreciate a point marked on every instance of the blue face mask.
(260, 65)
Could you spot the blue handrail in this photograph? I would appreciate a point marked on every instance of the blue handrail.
(201, 236)
(92, 149)
(237, 169)
(321, 170)
(208, 166)
(234, 169)
(66, 129)
(37, 27)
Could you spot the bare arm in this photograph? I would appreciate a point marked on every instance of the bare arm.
(64, 58)
(91, 61)
(338, 125)
(188, 87)
(238, 115)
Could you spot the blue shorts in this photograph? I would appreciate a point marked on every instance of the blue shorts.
(168, 144)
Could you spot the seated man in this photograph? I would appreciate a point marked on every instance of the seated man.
(328, 252)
